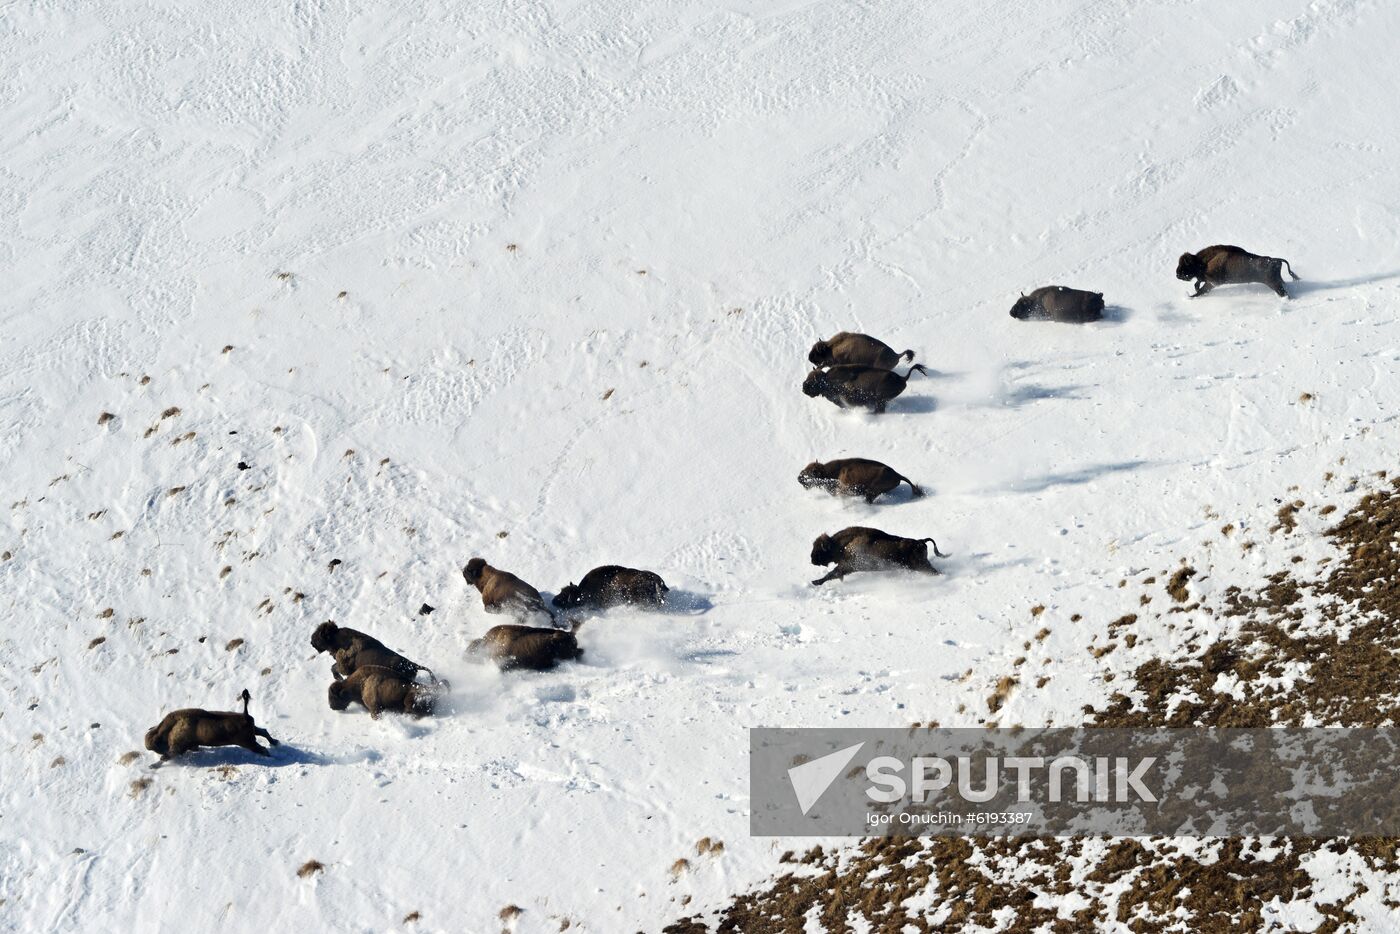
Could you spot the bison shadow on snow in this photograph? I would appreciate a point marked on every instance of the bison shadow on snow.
(1307, 287)
(1075, 477)
(1018, 396)
(208, 757)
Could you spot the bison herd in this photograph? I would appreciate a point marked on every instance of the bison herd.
(367, 672)
(850, 370)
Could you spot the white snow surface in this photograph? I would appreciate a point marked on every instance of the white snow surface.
(584, 248)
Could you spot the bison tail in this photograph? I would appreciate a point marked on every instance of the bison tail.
(907, 356)
(1290, 269)
(936, 552)
(913, 488)
(919, 367)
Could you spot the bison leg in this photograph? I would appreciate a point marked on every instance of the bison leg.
(835, 573)
(252, 745)
(1202, 288)
(259, 731)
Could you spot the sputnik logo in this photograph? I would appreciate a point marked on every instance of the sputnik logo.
(810, 780)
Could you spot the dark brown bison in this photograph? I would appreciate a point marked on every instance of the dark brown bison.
(525, 647)
(380, 689)
(1059, 303)
(854, 476)
(862, 549)
(1231, 265)
(611, 585)
(187, 729)
(353, 650)
(867, 387)
(856, 350)
(503, 592)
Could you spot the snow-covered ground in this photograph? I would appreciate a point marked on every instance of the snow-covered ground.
(536, 282)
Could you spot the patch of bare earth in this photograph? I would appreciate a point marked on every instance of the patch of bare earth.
(1346, 644)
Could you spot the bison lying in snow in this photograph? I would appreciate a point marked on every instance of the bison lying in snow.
(379, 689)
(1230, 265)
(503, 592)
(1059, 303)
(856, 350)
(187, 729)
(611, 585)
(862, 549)
(858, 386)
(353, 650)
(854, 476)
(525, 647)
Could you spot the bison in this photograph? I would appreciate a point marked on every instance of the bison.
(503, 592)
(353, 650)
(380, 688)
(851, 386)
(1059, 303)
(854, 476)
(862, 549)
(1230, 265)
(190, 728)
(856, 350)
(611, 585)
(525, 647)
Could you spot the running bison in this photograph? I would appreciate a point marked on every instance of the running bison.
(1059, 303)
(854, 476)
(853, 349)
(610, 586)
(866, 387)
(379, 689)
(353, 650)
(861, 549)
(503, 592)
(187, 729)
(525, 647)
(1231, 265)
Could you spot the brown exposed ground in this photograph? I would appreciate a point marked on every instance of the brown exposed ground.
(1349, 641)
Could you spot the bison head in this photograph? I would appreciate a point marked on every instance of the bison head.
(814, 474)
(820, 354)
(338, 696)
(824, 550)
(323, 636)
(815, 384)
(568, 597)
(419, 701)
(472, 572)
(1024, 309)
(1190, 267)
